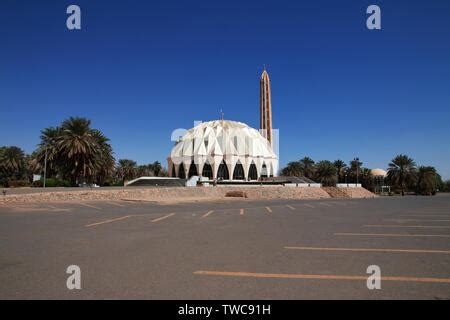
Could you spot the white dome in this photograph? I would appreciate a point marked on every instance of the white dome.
(378, 172)
(224, 146)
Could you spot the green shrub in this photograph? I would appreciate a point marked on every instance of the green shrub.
(54, 182)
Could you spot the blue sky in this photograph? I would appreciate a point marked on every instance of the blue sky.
(139, 69)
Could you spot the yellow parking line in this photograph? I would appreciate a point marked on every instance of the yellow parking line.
(425, 215)
(401, 226)
(368, 250)
(308, 205)
(392, 235)
(325, 204)
(316, 276)
(89, 206)
(162, 218)
(107, 221)
(207, 214)
(116, 204)
(241, 211)
(424, 220)
(268, 209)
(290, 207)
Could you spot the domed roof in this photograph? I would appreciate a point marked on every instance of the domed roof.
(378, 172)
(222, 138)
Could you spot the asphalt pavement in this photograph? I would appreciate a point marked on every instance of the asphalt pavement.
(239, 249)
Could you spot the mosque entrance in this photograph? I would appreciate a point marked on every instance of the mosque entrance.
(238, 173)
(252, 172)
(207, 171)
(222, 172)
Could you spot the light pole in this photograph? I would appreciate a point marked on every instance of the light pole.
(357, 170)
(45, 166)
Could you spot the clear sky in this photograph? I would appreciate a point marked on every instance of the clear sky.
(140, 69)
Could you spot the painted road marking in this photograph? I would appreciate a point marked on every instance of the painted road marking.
(325, 204)
(369, 250)
(316, 276)
(308, 205)
(107, 221)
(426, 215)
(393, 235)
(56, 209)
(162, 218)
(89, 206)
(241, 211)
(290, 207)
(401, 220)
(268, 209)
(401, 226)
(207, 214)
(116, 204)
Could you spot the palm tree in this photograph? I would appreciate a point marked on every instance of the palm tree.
(426, 180)
(308, 167)
(292, 169)
(144, 170)
(12, 161)
(402, 170)
(326, 173)
(366, 178)
(47, 145)
(340, 167)
(104, 160)
(156, 167)
(74, 151)
(126, 169)
(354, 169)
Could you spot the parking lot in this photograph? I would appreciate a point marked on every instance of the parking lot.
(238, 249)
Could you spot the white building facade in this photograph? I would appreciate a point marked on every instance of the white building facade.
(224, 150)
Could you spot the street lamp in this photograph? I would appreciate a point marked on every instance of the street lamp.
(357, 170)
(45, 166)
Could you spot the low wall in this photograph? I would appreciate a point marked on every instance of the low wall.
(164, 194)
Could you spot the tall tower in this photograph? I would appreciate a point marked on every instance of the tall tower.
(265, 106)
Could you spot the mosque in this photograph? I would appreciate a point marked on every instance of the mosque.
(228, 150)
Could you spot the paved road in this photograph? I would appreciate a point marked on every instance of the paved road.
(230, 250)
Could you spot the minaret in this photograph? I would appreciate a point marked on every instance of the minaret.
(265, 106)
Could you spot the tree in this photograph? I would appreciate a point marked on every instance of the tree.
(12, 161)
(293, 168)
(307, 165)
(354, 170)
(126, 169)
(75, 151)
(401, 171)
(156, 167)
(13, 166)
(366, 178)
(340, 167)
(104, 160)
(426, 180)
(326, 173)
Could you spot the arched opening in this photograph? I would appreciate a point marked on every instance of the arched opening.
(207, 171)
(238, 173)
(192, 170)
(181, 172)
(174, 173)
(222, 172)
(252, 172)
(264, 171)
